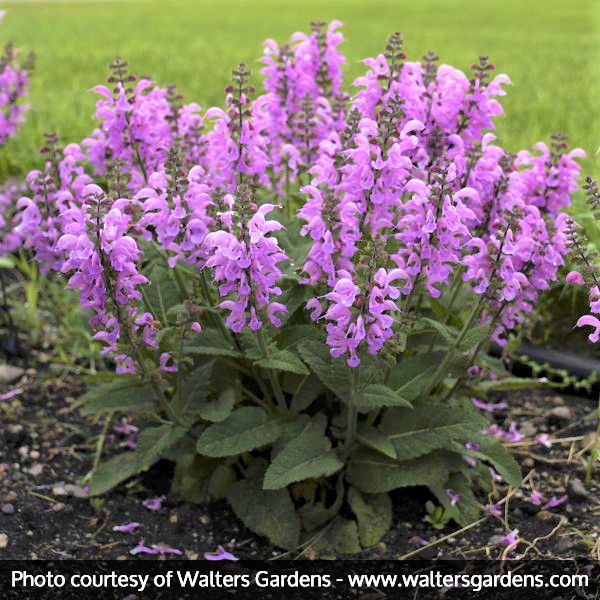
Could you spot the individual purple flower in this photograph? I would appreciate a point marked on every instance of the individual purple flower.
(536, 498)
(152, 504)
(11, 394)
(165, 367)
(510, 539)
(220, 554)
(127, 527)
(495, 510)
(453, 497)
(575, 277)
(141, 548)
(544, 440)
(489, 406)
(554, 502)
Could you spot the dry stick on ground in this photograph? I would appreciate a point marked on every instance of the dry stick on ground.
(512, 492)
(532, 545)
(568, 440)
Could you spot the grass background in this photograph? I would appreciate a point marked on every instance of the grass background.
(549, 48)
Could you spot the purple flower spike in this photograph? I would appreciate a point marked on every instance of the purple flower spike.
(127, 528)
(152, 503)
(554, 502)
(220, 554)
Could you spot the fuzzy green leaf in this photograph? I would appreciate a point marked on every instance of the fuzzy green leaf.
(494, 452)
(267, 512)
(413, 374)
(113, 472)
(218, 410)
(128, 396)
(211, 343)
(284, 360)
(372, 473)
(307, 456)
(373, 438)
(429, 426)
(373, 515)
(379, 396)
(332, 372)
(244, 430)
(339, 537)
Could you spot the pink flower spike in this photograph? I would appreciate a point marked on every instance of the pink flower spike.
(153, 503)
(220, 554)
(536, 498)
(489, 407)
(575, 278)
(127, 528)
(554, 502)
(544, 440)
(11, 394)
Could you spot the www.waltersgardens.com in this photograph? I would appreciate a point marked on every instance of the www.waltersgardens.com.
(264, 579)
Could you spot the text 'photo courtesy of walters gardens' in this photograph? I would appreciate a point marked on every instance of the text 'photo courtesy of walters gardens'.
(310, 285)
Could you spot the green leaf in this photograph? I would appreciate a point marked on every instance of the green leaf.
(306, 393)
(413, 374)
(162, 293)
(448, 333)
(6, 263)
(194, 391)
(494, 452)
(293, 334)
(429, 426)
(113, 472)
(467, 508)
(267, 512)
(372, 473)
(244, 430)
(512, 384)
(333, 373)
(127, 396)
(218, 410)
(154, 441)
(307, 456)
(373, 515)
(316, 515)
(292, 298)
(373, 438)
(284, 360)
(339, 537)
(212, 343)
(379, 396)
(474, 337)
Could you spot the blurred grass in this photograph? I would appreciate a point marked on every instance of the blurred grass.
(549, 48)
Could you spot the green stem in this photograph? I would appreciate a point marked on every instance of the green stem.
(443, 366)
(352, 416)
(271, 374)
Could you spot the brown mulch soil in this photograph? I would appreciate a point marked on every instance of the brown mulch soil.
(46, 448)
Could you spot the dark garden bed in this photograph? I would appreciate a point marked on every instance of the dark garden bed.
(46, 448)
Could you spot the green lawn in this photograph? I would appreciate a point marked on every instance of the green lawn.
(549, 48)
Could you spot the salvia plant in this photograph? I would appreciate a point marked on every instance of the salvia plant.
(297, 289)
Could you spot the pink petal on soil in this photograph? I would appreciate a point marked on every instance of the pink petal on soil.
(152, 503)
(11, 394)
(127, 528)
(554, 502)
(220, 554)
